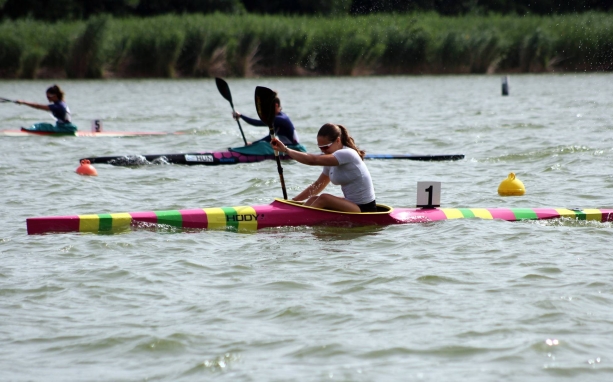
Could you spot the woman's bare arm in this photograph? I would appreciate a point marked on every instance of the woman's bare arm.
(314, 189)
(34, 105)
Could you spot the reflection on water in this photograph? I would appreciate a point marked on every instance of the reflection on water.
(345, 232)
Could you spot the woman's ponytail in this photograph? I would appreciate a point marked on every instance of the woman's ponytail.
(57, 91)
(332, 131)
(348, 141)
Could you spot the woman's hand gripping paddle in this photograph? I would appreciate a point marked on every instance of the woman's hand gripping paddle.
(265, 105)
(224, 90)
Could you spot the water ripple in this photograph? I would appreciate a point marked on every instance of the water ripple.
(465, 299)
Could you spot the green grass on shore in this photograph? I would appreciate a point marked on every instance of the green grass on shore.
(250, 45)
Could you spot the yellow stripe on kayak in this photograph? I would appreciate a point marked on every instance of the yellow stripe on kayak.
(121, 221)
(589, 214)
(249, 222)
(482, 213)
(89, 223)
(566, 213)
(216, 218)
(593, 214)
(452, 213)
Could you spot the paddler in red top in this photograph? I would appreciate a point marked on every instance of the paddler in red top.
(58, 108)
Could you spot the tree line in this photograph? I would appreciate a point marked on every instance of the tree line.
(84, 9)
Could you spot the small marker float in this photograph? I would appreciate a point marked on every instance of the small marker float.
(86, 169)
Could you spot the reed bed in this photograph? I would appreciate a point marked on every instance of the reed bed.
(252, 45)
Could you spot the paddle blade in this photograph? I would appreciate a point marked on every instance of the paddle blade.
(224, 89)
(6, 100)
(265, 104)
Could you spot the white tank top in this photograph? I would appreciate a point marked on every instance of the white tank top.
(352, 175)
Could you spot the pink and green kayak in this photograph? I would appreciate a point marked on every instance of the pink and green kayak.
(284, 213)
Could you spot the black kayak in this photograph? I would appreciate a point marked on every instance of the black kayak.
(229, 157)
(419, 157)
(246, 154)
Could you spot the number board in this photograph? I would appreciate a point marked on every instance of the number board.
(428, 194)
(97, 126)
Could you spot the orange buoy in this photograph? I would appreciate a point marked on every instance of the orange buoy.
(86, 168)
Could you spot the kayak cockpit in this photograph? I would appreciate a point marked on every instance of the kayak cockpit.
(382, 209)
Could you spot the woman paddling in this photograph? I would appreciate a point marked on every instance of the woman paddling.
(343, 165)
(284, 128)
(58, 108)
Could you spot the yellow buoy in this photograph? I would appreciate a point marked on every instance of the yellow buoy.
(511, 186)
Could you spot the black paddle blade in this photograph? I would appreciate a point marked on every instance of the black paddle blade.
(265, 104)
(6, 100)
(224, 89)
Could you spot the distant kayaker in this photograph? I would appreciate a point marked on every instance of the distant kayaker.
(343, 164)
(58, 108)
(284, 128)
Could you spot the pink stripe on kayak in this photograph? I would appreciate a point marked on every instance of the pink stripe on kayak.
(268, 217)
(195, 218)
(146, 217)
(431, 214)
(254, 158)
(546, 213)
(53, 224)
(264, 208)
(502, 213)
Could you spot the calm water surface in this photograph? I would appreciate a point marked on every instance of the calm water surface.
(455, 300)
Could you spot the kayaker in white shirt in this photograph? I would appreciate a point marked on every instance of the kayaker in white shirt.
(343, 164)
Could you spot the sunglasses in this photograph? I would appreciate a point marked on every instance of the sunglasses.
(323, 147)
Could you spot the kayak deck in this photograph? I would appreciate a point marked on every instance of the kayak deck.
(288, 213)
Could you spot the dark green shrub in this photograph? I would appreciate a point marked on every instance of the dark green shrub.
(11, 50)
(405, 49)
(86, 59)
(30, 62)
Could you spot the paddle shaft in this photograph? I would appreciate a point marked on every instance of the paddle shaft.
(239, 124)
(2, 99)
(279, 168)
